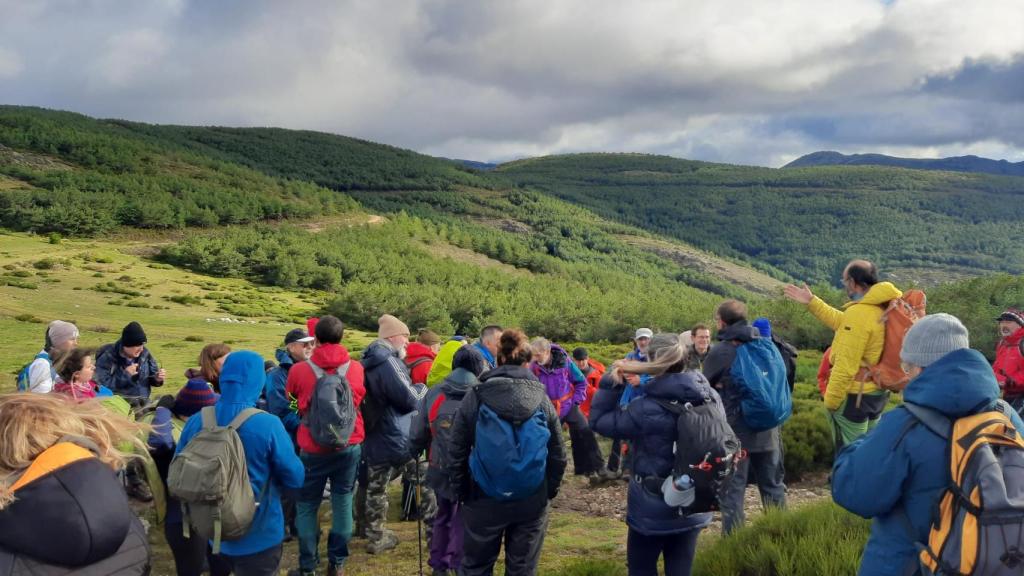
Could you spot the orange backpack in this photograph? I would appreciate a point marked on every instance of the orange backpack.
(898, 317)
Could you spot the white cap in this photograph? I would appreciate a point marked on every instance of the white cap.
(643, 333)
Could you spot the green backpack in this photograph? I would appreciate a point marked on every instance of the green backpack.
(210, 478)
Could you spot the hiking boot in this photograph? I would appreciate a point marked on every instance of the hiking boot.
(334, 570)
(137, 489)
(387, 542)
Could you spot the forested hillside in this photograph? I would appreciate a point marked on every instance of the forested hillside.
(807, 222)
(953, 164)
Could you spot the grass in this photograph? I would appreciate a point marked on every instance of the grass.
(177, 331)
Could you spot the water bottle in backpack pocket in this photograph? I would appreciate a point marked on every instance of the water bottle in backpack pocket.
(759, 373)
(331, 414)
(509, 460)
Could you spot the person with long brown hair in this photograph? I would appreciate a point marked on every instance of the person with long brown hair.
(211, 360)
(509, 397)
(61, 503)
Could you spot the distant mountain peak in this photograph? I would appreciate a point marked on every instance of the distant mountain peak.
(970, 163)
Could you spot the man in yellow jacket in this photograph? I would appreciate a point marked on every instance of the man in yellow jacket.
(854, 405)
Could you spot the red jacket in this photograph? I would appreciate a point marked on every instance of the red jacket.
(301, 381)
(419, 358)
(594, 373)
(1009, 365)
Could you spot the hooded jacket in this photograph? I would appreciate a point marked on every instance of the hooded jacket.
(902, 466)
(859, 339)
(110, 372)
(1009, 365)
(718, 368)
(452, 389)
(563, 381)
(302, 383)
(70, 512)
(419, 358)
(515, 394)
(441, 367)
(593, 373)
(269, 455)
(391, 400)
(652, 428)
(275, 391)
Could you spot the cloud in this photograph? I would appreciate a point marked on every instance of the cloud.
(744, 82)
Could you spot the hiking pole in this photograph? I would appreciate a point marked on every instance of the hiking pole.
(419, 516)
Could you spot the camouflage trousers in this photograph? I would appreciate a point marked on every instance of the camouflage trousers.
(376, 498)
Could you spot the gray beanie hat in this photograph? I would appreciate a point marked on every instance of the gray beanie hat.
(931, 338)
(59, 332)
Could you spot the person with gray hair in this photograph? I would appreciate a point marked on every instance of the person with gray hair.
(655, 528)
(898, 471)
(39, 376)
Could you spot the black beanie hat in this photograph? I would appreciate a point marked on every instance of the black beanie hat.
(580, 354)
(133, 335)
(469, 358)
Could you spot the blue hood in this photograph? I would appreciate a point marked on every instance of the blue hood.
(958, 384)
(241, 382)
(377, 353)
(689, 386)
(284, 359)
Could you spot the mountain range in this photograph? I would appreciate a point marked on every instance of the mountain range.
(951, 164)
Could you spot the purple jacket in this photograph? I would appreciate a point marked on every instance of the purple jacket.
(564, 383)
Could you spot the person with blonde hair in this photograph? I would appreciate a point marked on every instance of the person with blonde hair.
(655, 528)
(58, 463)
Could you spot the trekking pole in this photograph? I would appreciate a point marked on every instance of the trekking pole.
(419, 517)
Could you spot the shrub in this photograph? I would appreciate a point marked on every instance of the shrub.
(184, 299)
(21, 274)
(55, 238)
(28, 318)
(44, 264)
(137, 304)
(819, 538)
(193, 338)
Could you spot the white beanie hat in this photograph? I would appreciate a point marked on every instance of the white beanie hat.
(931, 338)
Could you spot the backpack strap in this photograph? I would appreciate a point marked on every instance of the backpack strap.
(209, 417)
(435, 407)
(317, 371)
(242, 416)
(932, 419)
(417, 362)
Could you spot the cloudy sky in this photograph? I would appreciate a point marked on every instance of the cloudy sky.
(751, 82)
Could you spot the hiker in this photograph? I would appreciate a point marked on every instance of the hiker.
(127, 367)
(593, 371)
(764, 447)
(62, 508)
(298, 347)
(497, 503)
(338, 464)
(211, 360)
(74, 369)
(897, 473)
(441, 367)
(192, 555)
(488, 344)
(391, 400)
(39, 375)
(420, 355)
(567, 388)
(788, 352)
(432, 432)
(270, 462)
(655, 528)
(1009, 364)
(697, 352)
(620, 455)
(853, 406)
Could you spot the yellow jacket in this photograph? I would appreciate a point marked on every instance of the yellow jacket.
(859, 339)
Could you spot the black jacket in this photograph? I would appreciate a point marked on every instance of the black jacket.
(75, 519)
(111, 372)
(454, 389)
(717, 368)
(515, 394)
(391, 399)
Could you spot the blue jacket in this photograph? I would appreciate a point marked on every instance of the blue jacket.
(652, 428)
(394, 399)
(278, 402)
(491, 362)
(633, 392)
(902, 466)
(110, 372)
(269, 454)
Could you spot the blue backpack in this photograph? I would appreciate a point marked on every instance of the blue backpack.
(759, 373)
(23, 383)
(509, 461)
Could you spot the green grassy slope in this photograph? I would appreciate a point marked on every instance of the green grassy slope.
(806, 222)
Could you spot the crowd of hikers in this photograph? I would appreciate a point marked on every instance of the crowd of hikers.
(241, 458)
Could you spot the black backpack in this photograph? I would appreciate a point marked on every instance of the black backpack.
(331, 414)
(789, 354)
(706, 450)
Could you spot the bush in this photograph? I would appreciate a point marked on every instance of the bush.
(44, 264)
(55, 238)
(807, 440)
(28, 318)
(184, 300)
(813, 540)
(193, 338)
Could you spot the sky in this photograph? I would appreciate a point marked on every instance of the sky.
(740, 81)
